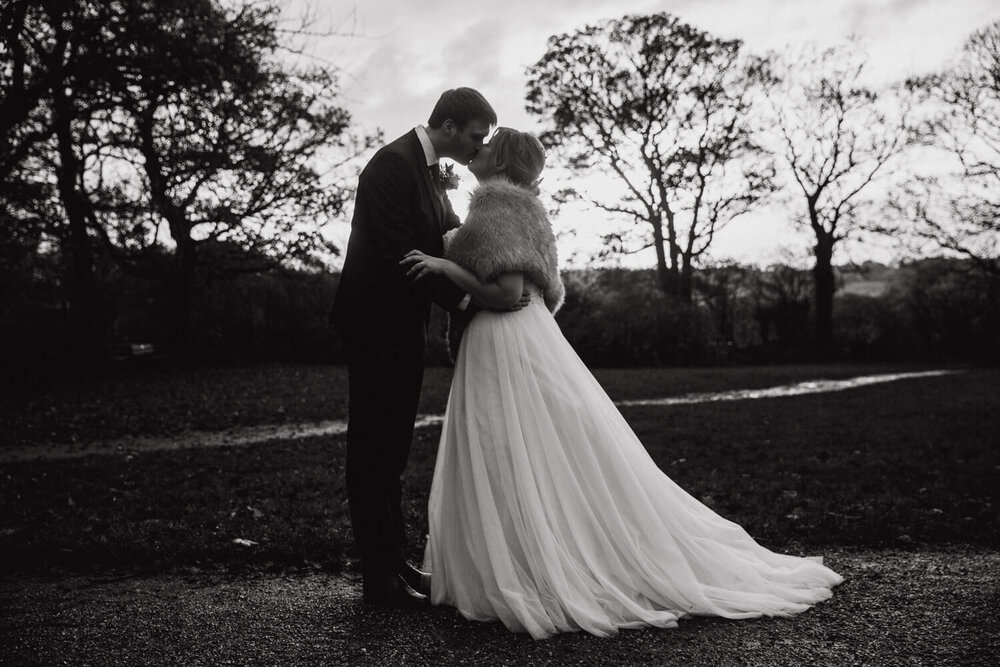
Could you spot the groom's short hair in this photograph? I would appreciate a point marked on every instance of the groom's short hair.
(461, 105)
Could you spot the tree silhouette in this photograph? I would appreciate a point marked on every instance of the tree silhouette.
(959, 211)
(663, 107)
(37, 47)
(52, 55)
(834, 136)
(780, 295)
(227, 139)
(175, 127)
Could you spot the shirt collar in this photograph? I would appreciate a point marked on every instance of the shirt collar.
(425, 142)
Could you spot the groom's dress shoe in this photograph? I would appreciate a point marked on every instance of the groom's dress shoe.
(415, 578)
(392, 593)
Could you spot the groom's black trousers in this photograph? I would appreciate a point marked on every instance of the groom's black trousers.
(385, 374)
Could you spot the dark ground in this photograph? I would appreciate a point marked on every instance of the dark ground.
(895, 608)
(897, 484)
(152, 400)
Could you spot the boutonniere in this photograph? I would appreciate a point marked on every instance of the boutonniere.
(449, 179)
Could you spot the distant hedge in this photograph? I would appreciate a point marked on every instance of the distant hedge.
(934, 309)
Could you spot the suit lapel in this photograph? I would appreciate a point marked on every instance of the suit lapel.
(432, 193)
(436, 201)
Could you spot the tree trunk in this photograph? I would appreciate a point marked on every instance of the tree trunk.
(685, 284)
(179, 285)
(824, 288)
(180, 289)
(667, 274)
(662, 271)
(82, 284)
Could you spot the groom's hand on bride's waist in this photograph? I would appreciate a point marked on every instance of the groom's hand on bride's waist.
(521, 303)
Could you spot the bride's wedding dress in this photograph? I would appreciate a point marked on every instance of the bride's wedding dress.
(547, 513)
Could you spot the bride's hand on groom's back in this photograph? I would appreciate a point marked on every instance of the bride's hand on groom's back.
(419, 264)
(497, 296)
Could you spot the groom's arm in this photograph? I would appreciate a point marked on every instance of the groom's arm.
(388, 191)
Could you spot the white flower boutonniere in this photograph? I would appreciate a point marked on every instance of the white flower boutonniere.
(449, 179)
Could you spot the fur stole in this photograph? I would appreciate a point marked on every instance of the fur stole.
(507, 230)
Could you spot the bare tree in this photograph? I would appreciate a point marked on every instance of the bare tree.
(780, 295)
(34, 48)
(663, 108)
(224, 139)
(177, 121)
(721, 288)
(52, 54)
(958, 209)
(834, 135)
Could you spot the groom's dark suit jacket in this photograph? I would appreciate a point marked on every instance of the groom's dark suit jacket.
(381, 315)
(396, 210)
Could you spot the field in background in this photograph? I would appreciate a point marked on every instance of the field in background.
(140, 401)
(908, 465)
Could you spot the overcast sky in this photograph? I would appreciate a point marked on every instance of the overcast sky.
(404, 53)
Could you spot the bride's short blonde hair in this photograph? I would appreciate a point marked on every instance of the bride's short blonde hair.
(521, 155)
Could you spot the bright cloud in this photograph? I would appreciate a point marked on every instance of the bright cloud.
(405, 53)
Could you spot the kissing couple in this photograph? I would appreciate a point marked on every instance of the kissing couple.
(545, 511)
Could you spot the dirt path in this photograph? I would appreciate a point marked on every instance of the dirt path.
(895, 608)
(251, 435)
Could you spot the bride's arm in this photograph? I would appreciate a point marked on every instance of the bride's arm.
(504, 292)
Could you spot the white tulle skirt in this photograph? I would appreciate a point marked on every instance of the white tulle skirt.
(547, 513)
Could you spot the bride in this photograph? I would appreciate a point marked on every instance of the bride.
(545, 511)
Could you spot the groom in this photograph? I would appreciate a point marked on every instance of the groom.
(381, 316)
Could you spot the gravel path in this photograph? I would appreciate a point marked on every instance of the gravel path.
(895, 608)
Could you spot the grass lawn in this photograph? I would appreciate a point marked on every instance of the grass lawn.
(907, 464)
(130, 401)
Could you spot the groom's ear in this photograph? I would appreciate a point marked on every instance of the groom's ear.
(449, 127)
